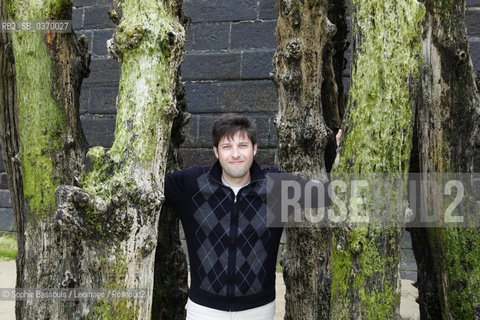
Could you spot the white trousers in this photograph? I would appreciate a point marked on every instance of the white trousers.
(199, 312)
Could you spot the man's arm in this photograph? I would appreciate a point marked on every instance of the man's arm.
(174, 187)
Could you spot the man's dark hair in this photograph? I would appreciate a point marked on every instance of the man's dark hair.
(229, 124)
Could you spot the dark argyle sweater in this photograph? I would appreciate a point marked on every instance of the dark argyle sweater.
(232, 251)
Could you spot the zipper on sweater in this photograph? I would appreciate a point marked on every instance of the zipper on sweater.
(232, 250)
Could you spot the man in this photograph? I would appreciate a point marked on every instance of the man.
(232, 250)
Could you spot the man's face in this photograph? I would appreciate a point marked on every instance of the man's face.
(236, 156)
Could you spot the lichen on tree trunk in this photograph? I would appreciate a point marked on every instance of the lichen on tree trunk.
(95, 228)
(447, 124)
(365, 258)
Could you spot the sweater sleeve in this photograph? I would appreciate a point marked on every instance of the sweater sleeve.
(174, 184)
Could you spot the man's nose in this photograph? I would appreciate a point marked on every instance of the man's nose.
(235, 152)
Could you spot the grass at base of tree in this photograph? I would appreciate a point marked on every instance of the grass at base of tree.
(8, 246)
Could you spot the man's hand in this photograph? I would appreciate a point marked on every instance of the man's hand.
(338, 137)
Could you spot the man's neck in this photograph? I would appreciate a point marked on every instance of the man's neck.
(236, 182)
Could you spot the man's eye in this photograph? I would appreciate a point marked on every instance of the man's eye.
(243, 146)
(226, 147)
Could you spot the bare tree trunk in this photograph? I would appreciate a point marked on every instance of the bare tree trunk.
(303, 69)
(93, 229)
(447, 124)
(170, 279)
(365, 258)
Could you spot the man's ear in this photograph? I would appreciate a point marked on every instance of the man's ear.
(215, 151)
(255, 149)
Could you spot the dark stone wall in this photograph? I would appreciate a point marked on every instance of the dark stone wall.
(227, 68)
(100, 89)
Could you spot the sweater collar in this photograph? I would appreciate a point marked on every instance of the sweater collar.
(256, 172)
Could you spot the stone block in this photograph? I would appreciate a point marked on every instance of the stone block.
(99, 131)
(103, 100)
(209, 36)
(77, 18)
(255, 34)
(268, 9)
(104, 2)
(84, 100)
(472, 19)
(407, 275)
(196, 157)
(5, 201)
(407, 240)
(103, 71)
(209, 66)
(234, 96)
(198, 131)
(473, 3)
(266, 157)
(100, 37)
(84, 3)
(475, 53)
(408, 262)
(3, 181)
(257, 64)
(266, 132)
(97, 17)
(220, 10)
(189, 42)
(7, 220)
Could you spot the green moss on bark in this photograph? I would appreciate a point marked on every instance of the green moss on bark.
(461, 256)
(145, 104)
(380, 123)
(378, 140)
(115, 309)
(41, 121)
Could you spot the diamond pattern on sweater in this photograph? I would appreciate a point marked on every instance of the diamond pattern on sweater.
(252, 239)
(213, 215)
(212, 235)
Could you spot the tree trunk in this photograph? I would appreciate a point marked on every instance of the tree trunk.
(378, 137)
(8, 138)
(305, 78)
(447, 124)
(42, 142)
(170, 288)
(95, 228)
